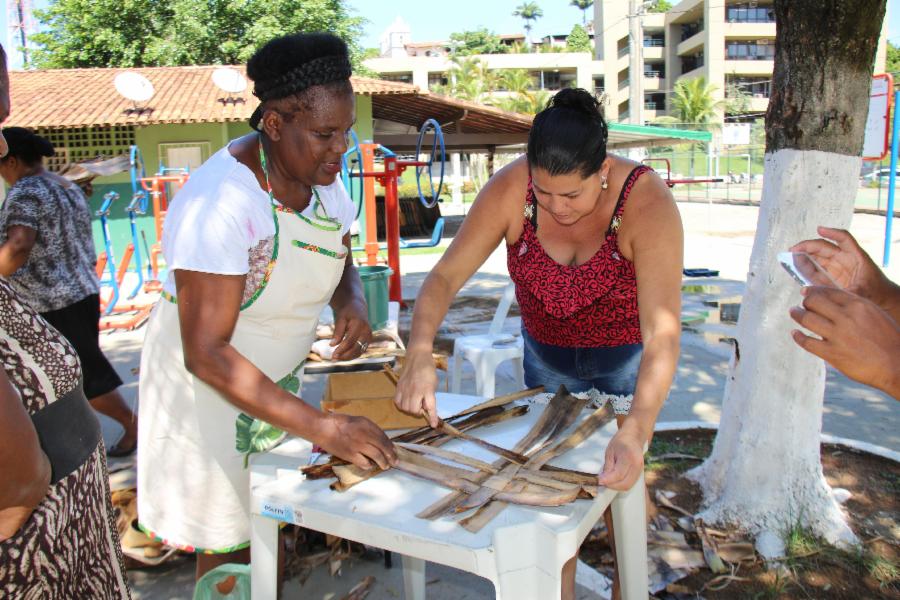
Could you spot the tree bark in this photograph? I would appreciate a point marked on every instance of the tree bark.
(764, 473)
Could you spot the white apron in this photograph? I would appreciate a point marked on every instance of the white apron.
(193, 484)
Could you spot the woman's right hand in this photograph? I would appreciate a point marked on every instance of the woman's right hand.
(847, 263)
(417, 385)
(357, 440)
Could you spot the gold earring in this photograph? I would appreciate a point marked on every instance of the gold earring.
(603, 184)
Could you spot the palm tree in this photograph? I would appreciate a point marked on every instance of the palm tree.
(529, 11)
(583, 6)
(470, 79)
(516, 81)
(692, 105)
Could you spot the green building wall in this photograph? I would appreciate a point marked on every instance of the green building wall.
(148, 139)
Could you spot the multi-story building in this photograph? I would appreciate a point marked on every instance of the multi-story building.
(731, 43)
(427, 64)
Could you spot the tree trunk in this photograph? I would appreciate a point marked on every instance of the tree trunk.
(765, 472)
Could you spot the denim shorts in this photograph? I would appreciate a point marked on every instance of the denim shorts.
(610, 370)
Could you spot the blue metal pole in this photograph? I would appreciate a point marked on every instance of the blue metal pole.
(889, 214)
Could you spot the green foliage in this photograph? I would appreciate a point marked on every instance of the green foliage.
(737, 101)
(137, 33)
(478, 41)
(516, 80)
(892, 64)
(660, 6)
(578, 40)
(529, 11)
(470, 79)
(527, 102)
(519, 48)
(692, 103)
(583, 6)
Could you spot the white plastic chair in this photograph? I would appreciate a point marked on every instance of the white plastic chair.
(486, 352)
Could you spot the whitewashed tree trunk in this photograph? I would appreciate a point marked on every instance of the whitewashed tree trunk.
(765, 472)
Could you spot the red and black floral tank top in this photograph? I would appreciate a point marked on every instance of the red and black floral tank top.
(590, 305)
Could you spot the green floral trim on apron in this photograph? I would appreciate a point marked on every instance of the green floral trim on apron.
(188, 548)
(327, 224)
(255, 435)
(319, 249)
(266, 276)
(323, 221)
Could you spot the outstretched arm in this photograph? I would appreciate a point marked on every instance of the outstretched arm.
(208, 307)
(657, 255)
(482, 231)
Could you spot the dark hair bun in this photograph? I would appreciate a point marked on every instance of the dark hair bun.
(27, 146)
(569, 135)
(576, 99)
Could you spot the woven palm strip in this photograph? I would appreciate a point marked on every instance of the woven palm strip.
(489, 500)
(562, 407)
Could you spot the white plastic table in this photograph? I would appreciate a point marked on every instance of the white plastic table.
(522, 551)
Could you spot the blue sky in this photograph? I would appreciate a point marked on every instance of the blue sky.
(431, 21)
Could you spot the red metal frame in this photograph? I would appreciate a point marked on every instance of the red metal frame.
(393, 169)
(887, 117)
(156, 185)
(673, 182)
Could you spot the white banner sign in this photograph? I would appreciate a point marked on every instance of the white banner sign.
(736, 134)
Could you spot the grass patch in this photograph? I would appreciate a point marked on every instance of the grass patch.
(807, 553)
(659, 457)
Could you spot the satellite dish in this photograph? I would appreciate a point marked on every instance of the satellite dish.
(229, 80)
(134, 86)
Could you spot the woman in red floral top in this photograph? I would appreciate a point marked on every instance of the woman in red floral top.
(594, 246)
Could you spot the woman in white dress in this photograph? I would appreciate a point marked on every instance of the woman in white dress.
(256, 243)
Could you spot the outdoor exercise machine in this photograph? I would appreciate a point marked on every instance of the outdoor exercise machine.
(158, 186)
(133, 314)
(673, 182)
(430, 142)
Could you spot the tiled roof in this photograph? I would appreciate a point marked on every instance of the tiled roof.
(455, 116)
(63, 98)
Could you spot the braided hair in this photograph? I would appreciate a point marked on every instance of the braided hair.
(569, 135)
(290, 65)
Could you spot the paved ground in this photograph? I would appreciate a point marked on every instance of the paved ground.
(717, 237)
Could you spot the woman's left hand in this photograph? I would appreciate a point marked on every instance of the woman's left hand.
(624, 461)
(352, 332)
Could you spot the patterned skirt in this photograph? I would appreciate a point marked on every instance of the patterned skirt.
(69, 548)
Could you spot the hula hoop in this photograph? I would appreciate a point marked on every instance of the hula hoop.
(438, 140)
(348, 166)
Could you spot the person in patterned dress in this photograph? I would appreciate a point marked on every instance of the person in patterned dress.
(47, 252)
(594, 246)
(58, 536)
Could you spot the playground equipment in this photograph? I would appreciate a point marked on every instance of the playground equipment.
(351, 164)
(159, 188)
(436, 235)
(388, 178)
(134, 314)
(117, 315)
(673, 182)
